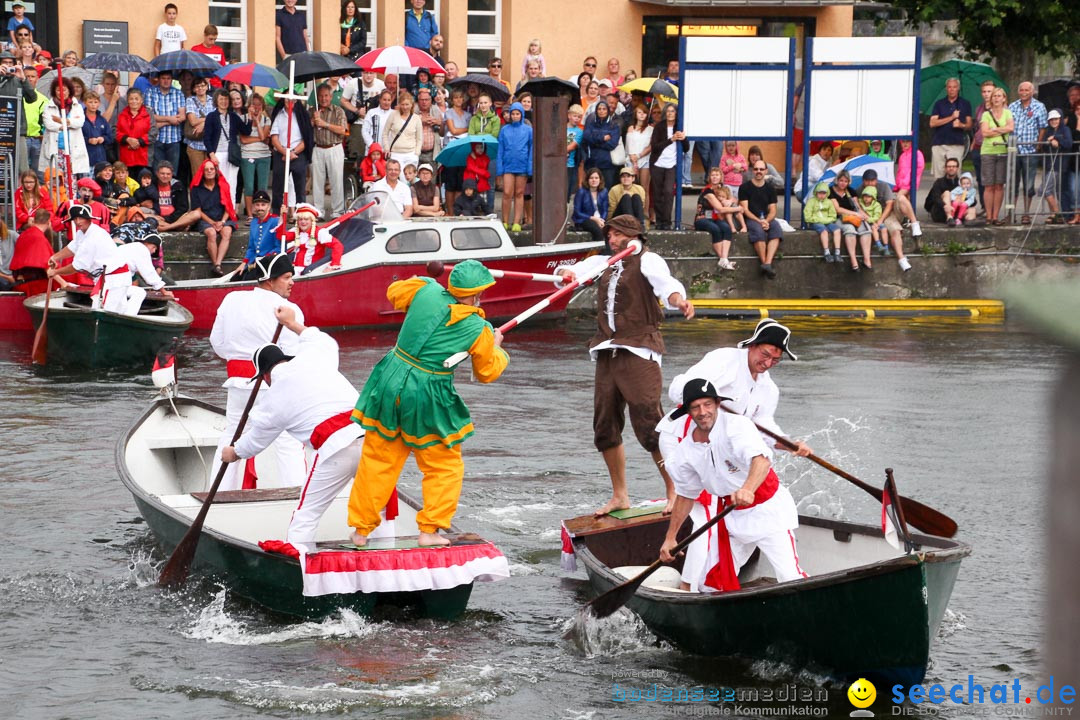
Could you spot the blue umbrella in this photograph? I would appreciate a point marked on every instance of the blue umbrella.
(856, 166)
(195, 63)
(121, 62)
(455, 154)
(253, 75)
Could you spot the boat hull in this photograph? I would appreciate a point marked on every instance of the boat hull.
(357, 297)
(271, 580)
(99, 339)
(875, 621)
(13, 316)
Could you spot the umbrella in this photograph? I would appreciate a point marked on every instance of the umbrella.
(252, 75)
(316, 64)
(856, 166)
(551, 87)
(196, 63)
(651, 86)
(121, 62)
(45, 81)
(457, 151)
(399, 59)
(494, 88)
(1055, 94)
(971, 75)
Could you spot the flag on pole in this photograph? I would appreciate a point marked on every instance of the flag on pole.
(888, 524)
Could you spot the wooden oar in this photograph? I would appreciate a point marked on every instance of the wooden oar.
(175, 572)
(925, 518)
(618, 596)
(633, 248)
(40, 354)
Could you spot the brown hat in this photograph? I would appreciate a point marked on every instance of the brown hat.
(628, 225)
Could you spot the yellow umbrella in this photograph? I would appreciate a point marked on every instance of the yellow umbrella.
(662, 89)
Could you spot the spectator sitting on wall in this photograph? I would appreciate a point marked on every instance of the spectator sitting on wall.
(167, 198)
(847, 210)
(758, 200)
(819, 162)
(962, 201)
(426, 198)
(891, 229)
(950, 119)
(714, 218)
(903, 169)
(627, 198)
(591, 205)
(939, 197)
(819, 214)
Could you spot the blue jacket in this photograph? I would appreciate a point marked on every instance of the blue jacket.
(99, 128)
(516, 146)
(212, 130)
(598, 150)
(418, 34)
(262, 240)
(584, 208)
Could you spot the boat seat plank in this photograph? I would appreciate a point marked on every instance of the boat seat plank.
(173, 442)
(254, 495)
(665, 578)
(396, 543)
(589, 525)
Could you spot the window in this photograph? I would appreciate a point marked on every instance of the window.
(230, 17)
(484, 28)
(414, 241)
(475, 238)
(367, 11)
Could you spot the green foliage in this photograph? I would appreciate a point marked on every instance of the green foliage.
(994, 28)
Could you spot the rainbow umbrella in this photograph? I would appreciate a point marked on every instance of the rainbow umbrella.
(253, 75)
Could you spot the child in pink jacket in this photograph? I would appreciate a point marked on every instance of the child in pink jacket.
(903, 169)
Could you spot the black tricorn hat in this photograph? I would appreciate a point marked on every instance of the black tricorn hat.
(770, 332)
(266, 357)
(695, 390)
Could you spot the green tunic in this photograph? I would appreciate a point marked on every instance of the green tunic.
(409, 393)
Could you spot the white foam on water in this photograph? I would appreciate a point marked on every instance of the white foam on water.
(620, 633)
(514, 510)
(143, 569)
(951, 623)
(551, 533)
(523, 570)
(773, 670)
(215, 625)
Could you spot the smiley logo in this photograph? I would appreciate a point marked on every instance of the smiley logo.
(862, 693)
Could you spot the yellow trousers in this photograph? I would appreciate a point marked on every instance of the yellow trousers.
(381, 463)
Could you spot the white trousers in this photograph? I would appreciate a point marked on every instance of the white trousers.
(228, 170)
(115, 293)
(328, 163)
(291, 461)
(327, 478)
(778, 547)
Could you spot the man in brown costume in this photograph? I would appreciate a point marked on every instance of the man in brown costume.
(627, 349)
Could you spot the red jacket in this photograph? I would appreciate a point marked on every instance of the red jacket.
(373, 170)
(136, 127)
(23, 215)
(477, 168)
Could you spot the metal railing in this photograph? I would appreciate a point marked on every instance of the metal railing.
(1051, 179)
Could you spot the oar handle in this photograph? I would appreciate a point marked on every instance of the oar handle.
(516, 275)
(633, 248)
(176, 570)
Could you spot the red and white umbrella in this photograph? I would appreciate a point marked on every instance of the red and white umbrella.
(399, 59)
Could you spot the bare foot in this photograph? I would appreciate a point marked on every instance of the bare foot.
(426, 539)
(615, 503)
(357, 539)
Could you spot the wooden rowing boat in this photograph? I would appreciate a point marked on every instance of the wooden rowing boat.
(158, 459)
(81, 336)
(867, 609)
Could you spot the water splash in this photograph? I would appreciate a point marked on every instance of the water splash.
(215, 625)
(951, 623)
(618, 634)
(143, 568)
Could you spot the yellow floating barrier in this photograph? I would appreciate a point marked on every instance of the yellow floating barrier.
(986, 310)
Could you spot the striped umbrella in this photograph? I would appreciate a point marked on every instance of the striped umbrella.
(195, 63)
(252, 75)
(399, 59)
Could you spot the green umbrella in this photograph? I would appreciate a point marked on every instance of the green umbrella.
(971, 74)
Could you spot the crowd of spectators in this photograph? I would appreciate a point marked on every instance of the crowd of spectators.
(192, 153)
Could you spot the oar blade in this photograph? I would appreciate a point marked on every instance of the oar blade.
(616, 597)
(175, 572)
(40, 354)
(928, 519)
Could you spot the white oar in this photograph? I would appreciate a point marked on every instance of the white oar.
(436, 268)
(633, 248)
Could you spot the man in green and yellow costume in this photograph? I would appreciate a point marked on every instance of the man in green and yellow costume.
(409, 405)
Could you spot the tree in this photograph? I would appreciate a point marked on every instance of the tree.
(1008, 32)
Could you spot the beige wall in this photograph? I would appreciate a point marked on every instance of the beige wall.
(142, 19)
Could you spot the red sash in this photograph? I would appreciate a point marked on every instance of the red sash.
(100, 282)
(240, 368)
(328, 427)
(722, 576)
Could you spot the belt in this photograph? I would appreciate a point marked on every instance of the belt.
(327, 147)
(240, 368)
(328, 427)
(99, 284)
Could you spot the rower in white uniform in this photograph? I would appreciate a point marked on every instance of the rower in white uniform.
(245, 322)
(725, 456)
(742, 374)
(310, 401)
(94, 252)
(137, 255)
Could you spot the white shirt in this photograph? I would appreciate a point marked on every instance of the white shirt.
(245, 321)
(95, 251)
(655, 270)
(721, 466)
(374, 122)
(138, 259)
(401, 194)
(280, 127)
(668, 155)
(172, 37)
(303, 393)
(729, 372)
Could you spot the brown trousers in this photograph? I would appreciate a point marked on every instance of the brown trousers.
(625, 380)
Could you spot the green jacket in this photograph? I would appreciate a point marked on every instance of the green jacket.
(873, 210)
(409, 393)
(820, 212)
(488, 124)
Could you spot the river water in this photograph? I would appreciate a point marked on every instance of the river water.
(958, 409)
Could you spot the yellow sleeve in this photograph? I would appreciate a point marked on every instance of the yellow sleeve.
(402, 292)
(488, 361)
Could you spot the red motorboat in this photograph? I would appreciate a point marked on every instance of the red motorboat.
(13, 316)
(378, 254)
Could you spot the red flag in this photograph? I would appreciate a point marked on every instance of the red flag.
(887, 525)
